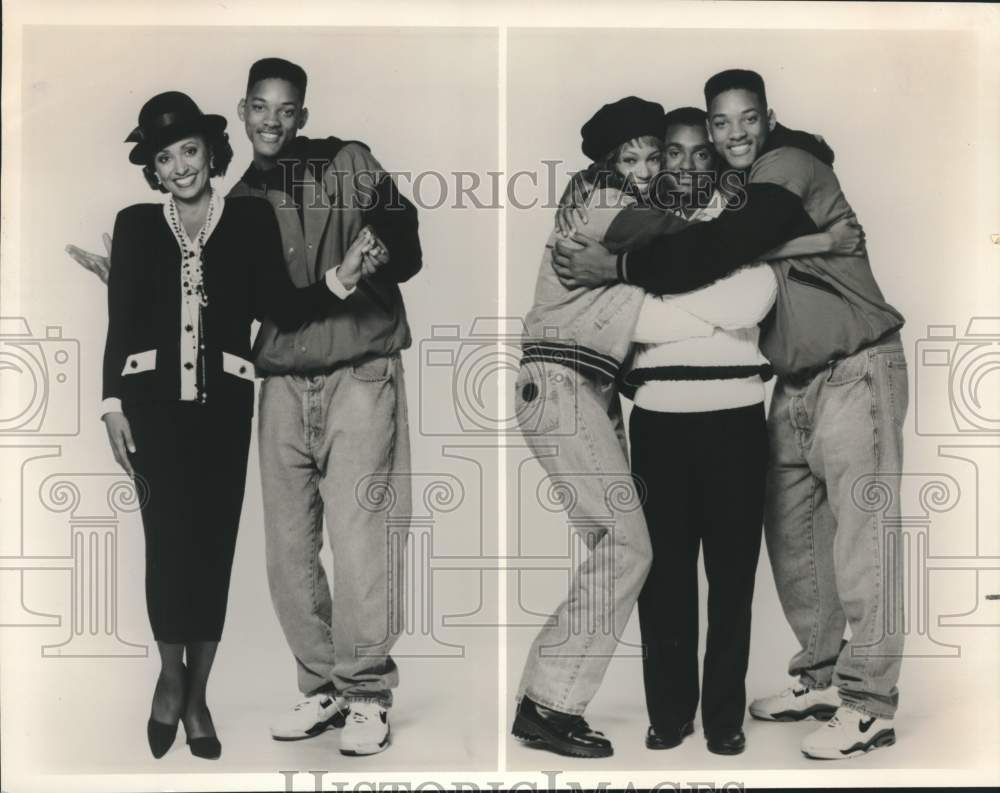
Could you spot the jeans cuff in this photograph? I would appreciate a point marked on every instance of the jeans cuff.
(548, 703)
(865, 708)
(385, 700)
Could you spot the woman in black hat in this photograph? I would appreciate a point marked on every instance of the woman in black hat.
(188, 278)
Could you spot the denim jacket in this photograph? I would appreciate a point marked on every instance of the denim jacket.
(589, 330)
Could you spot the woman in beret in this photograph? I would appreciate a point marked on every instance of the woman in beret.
(188, 278)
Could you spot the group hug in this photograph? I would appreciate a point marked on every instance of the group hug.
(312, 241)
(702, 253)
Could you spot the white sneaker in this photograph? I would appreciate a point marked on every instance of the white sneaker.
(848, 734)
(796, 704)
(312, 716)
(366, 730)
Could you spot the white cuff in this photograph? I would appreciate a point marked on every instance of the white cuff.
(110, 405)
(334, 284)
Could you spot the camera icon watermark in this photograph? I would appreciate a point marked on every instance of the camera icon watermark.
(41, 381)
(965, 371)
(460, 378)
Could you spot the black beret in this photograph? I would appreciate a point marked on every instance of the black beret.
(620, 122)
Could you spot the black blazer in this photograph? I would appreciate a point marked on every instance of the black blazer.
(245, 279)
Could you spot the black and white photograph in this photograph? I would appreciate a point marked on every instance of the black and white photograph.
(537, 395)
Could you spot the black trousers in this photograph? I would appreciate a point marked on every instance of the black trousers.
(192, 459)
(702, 475)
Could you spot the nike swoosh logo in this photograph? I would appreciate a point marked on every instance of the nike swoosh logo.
(865, 724)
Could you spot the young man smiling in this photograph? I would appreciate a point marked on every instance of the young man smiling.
(835, 423)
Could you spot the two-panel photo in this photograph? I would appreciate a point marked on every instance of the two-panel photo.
(485, 405)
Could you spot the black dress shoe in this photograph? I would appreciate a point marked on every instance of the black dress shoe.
(726, 741)
(160, 734)
(205, 746)
(562, 733)
(161, 737)
(668, 739)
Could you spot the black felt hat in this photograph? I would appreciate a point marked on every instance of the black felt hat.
(620, 122)
(167, 118)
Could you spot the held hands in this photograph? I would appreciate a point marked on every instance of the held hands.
(360, 253)
(97, 264)
(847, 238)
(120, 438)
(583, 262)
(374, 258)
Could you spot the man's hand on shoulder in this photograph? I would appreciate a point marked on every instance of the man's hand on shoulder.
(583, 262)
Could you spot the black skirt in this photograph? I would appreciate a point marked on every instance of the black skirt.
(192, 459)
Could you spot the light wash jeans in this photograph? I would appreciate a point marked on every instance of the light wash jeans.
(837, 452)
(329, 445)
(574, 427)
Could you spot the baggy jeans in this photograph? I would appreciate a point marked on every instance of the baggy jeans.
(574, 426)
(334, 445)
(836, 455)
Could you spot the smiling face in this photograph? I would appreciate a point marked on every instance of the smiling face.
(183, 168)
(687, 151)
(639, 161)
(738, 124)
(272, 114)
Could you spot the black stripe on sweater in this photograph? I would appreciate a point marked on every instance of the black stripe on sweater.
(637, 377)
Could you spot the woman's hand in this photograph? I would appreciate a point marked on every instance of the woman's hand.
(120, 438)
(847, 238)
(351, 269)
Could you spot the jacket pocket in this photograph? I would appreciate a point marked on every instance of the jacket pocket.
(139, 362)
(811, 280)
(237, 366)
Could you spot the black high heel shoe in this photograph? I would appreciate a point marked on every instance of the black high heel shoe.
(206, 746)
(160, 734)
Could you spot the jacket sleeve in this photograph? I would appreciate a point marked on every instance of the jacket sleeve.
(769, 215)
(384, 208)
(394, 219)
(122, 300)
(273, 293)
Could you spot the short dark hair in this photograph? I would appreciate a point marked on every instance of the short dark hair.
(219, 152)
(278, 69)
(735, 79)
(684, 117)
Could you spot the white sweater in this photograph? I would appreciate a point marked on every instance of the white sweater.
(712, 326)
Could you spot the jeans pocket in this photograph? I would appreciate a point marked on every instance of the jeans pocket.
(374, 370)
(848, 370)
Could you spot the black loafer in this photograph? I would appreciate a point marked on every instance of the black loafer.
(563, 733)
(668, 739)
(726, 741)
